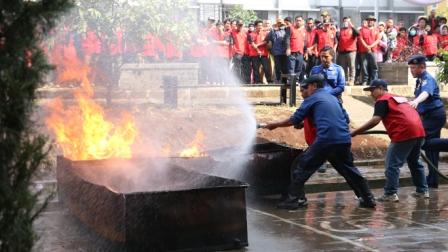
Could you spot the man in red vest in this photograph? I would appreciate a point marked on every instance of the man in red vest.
(405, 129)
(347, 50)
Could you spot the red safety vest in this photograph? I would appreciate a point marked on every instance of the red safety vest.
(347, 42)
(369, 36)
(325, 38)
(402, 122)
(297, 40)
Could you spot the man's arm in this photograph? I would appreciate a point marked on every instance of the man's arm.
(340, 83)
(368, 125)
(288, 41)
(274, 125)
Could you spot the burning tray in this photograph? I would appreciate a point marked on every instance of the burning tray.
(266, 167)
(172, 209)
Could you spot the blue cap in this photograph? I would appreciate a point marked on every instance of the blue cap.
(315, 78)
(417, 59)
(376, 83)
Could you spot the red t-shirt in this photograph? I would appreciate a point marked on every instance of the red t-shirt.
(310, 37)
(297, 39)
(347, 40)
(443, 41)
(257, 38)
(239, 42)
(152, 45)
(91, 44)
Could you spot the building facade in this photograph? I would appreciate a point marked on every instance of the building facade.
(401, 11)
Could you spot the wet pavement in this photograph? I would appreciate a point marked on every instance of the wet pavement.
(331, 222)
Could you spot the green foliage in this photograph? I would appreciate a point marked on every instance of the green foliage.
(137, 17)
(23, 24)
(442, 75)
(247, 16)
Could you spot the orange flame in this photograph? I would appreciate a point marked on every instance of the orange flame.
(82, 131)
(196, 147)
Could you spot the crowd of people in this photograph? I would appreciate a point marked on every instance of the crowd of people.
(261, 52)
(293, 46)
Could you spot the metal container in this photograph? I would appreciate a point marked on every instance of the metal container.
(265, 167)
(206, 216)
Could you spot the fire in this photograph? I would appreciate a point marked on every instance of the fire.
(81, 131)
(196, 147)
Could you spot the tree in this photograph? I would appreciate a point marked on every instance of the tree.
(23, 24)
(442, 75)
(239, 13)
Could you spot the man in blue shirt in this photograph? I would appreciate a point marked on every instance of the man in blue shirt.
(276, 40)
(333, 143)
(334, 82)
(431, 109)
(334, 76)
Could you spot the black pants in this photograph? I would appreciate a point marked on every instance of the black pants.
(256, 62)
(281, 66)
(246, 69)
(433, 123)
(238, 67)
(340, 157)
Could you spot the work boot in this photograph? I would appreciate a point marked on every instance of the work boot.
(368, 203)
(292, 203)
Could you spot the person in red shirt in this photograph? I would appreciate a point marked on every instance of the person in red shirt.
(402, 42)
(258, 53)
(427, 42)
(369, 38)
(405, 129)
(347, 50)
(326, 36)
(311, 54)
(239, 38)
(443, 37)
(222, 52)
(152, 47)
(295, 46)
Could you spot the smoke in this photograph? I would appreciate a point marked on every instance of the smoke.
(130, 54)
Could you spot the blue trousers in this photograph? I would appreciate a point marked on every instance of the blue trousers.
(340, 157)
(433, 123)
(295, 63)
(398, 153)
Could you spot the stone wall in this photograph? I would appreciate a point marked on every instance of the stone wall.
(400, 74)
(150, 76)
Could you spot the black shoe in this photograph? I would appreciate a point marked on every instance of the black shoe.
(292, 203)
(369, 203)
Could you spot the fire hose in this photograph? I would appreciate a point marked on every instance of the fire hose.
(382, 132)
(424, 157)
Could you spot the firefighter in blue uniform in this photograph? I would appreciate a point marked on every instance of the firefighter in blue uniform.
(334, 78)
(430, 107)
(332, 143)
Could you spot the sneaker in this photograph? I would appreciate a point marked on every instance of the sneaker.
(420, 195)
(389, 198)
(292, 203)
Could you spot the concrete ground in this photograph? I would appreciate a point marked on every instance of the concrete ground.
(331, 222)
